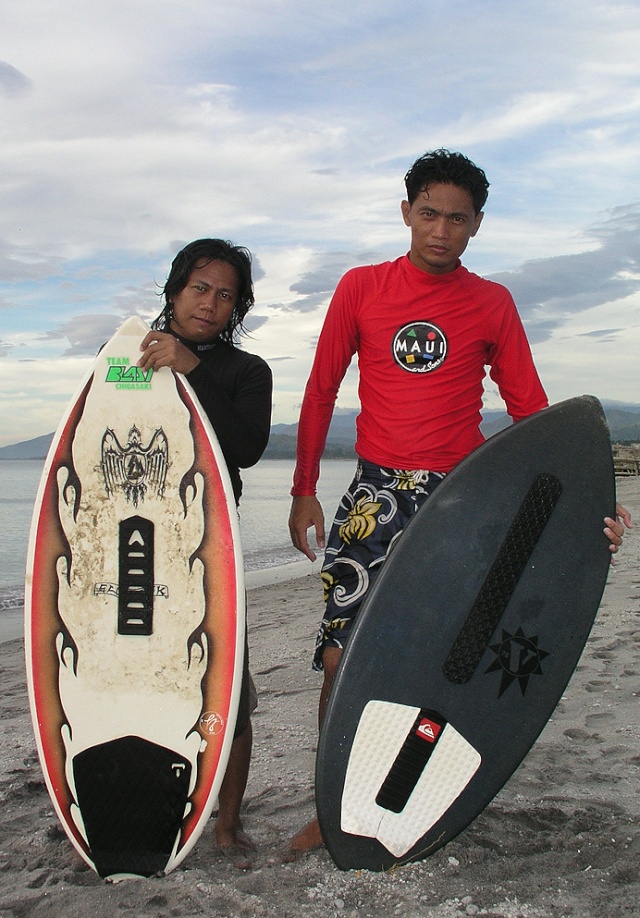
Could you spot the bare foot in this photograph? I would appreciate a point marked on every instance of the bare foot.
(236, 846)
(233, 838)
(241, 860)
(304, 841)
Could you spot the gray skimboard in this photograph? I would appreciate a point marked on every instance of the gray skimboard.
(467, 639)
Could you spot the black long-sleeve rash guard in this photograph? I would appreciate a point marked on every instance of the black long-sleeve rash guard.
(235, 390)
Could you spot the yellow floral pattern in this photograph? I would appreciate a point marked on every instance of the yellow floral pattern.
(361, 520)
(404, 481)
(371, 516)
(328, 581)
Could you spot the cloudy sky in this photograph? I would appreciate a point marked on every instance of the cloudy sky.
(130, 127)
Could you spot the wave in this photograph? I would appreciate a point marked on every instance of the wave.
(11, 598)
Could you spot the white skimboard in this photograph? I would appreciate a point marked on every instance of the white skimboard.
(134, 615)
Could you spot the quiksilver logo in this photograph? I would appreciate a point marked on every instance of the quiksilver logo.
(428, 730)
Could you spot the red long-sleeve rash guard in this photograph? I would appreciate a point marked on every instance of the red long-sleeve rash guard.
(423, 342)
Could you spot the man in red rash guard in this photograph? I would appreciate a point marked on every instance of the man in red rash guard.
(424, 329)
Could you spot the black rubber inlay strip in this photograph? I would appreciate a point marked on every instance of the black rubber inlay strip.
(136, 577)
(497, 589)
(410, 762)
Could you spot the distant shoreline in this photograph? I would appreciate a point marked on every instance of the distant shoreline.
(623, 420)
(11, 620)
(279, 448)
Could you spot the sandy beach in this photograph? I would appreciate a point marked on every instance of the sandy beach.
(561, 839)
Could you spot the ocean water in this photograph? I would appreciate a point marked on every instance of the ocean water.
(264, 511)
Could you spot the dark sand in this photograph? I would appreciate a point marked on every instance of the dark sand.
(561, 839)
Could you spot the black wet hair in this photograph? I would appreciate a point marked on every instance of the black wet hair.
(198, 254)
(446, 168)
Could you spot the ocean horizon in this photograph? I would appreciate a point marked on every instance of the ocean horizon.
(264, 512)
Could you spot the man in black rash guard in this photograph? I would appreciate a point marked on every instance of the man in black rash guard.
(207, 295)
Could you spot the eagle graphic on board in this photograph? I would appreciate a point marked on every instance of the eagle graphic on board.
(134, 468)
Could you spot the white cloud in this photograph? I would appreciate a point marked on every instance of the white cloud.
(288, 126)
(37, 393)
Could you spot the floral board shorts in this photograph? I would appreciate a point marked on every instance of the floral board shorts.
(371, 517)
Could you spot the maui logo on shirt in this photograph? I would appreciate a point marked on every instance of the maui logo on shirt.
(419, 347)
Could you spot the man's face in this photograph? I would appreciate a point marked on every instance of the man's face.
(442, 220)
(203, 308)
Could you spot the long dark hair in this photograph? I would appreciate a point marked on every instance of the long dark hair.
(199, 254)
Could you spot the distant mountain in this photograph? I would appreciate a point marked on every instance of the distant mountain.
(29, 449)
(623, 419)
(624, 424)
(340, 439)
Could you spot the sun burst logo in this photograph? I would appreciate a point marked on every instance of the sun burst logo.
(518, 657)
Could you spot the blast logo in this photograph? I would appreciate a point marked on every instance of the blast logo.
(120, 371)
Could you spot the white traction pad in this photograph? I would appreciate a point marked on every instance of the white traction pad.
(381, 734)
